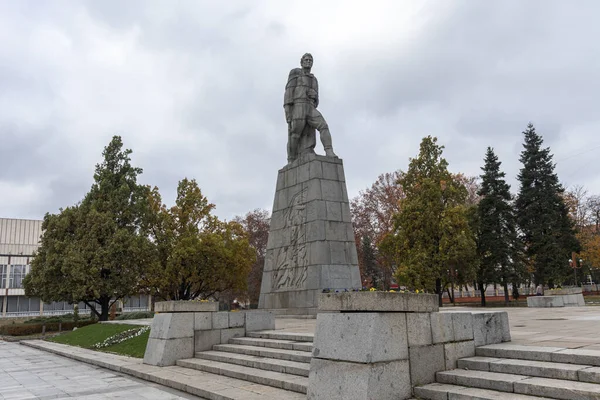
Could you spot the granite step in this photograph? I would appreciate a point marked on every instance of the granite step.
(539, 353)
(442, 391)
(280, 354)
(273, 343)
(279, 380)
(278, 335)
(521, 384)
(267, 364)
(541, 369)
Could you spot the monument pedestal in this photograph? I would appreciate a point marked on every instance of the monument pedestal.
(311, 243)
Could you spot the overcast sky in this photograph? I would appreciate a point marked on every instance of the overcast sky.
(195, 89)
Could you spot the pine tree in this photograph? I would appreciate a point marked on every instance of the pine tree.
(498, 244)
(542, 215)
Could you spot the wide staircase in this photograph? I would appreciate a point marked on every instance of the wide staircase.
(513, 372)
(268, 359)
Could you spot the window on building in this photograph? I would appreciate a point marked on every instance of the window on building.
(17, 273)
(12, 304)
(2, 276)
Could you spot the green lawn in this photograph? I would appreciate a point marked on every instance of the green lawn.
(89, 335)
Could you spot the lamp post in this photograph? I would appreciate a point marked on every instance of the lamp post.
(574, 263)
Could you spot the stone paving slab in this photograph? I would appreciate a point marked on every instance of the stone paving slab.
(198, 383)
(28, 373)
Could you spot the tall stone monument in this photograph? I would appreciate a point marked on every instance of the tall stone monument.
(311, 243)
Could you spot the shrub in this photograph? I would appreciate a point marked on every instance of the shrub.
(136, 315)
(35, 328)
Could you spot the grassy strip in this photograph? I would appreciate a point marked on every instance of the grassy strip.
(135, 347)
(89, 335)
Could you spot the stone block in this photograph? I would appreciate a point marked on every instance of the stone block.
(490, 328)
(346, 215)
(545, 301)
(277, 220)
(336, 231)
(419, 329)
(425, 361)
(331, 190)
(315, 170)
(338, 252)
(172, 326)
(441, 327)
(220, 320)
(280, 180)
(351, 253)
(320, 252)
(340, 171)
(378, 301)
(202, 321)
(313, 190)
(316, 210)
(205, 340)
(231, 333)
(237, 319)
(339, 277)
(302, 173)
(164, 352)
(260, 320)
(334, 211)
(291, 177)
(185, 306)
(361, 337)
(462, 325)
(334, 380)
(457, 350)
(315, 230)
(330, 171)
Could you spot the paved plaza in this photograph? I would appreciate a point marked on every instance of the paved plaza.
(27, 373)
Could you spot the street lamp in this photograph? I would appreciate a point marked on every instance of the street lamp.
(575, 264)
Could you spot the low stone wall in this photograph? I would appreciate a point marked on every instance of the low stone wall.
(567, 300)
(381, 345)
(181, 328)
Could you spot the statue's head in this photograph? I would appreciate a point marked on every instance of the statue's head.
(306, 61)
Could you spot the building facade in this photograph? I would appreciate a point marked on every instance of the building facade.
(19, 240)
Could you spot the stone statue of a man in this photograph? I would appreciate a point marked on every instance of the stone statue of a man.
(300, 102)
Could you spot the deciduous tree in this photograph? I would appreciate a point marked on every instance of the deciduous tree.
(96, 251)
(433, 244)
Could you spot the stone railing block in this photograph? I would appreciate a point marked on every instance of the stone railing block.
(419, 329)
(462, 326)
(259, 321)
(490, 328)
(165, 352)
(202, 321)
(378, 302)
(457, 350)
(231, 333)
(220, 320)
(237, 319)
(441, 327)
(361, 337)
(185, 306)
(172, 326)
(205, 340)
(425, 361)
(338, 380)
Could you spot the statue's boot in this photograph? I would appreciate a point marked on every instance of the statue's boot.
(329, 152)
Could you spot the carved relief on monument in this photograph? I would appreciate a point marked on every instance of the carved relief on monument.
(291, 262)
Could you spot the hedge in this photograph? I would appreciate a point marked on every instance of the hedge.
(32, 329)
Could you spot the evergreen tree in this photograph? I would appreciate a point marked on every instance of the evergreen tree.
(542, 215)
(498, 244)
(433, 244)
(372, 271)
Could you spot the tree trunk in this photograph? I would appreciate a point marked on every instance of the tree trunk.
(506, 299)
(438, 290)
(104, 307)
(450, 295)
(482, 290)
